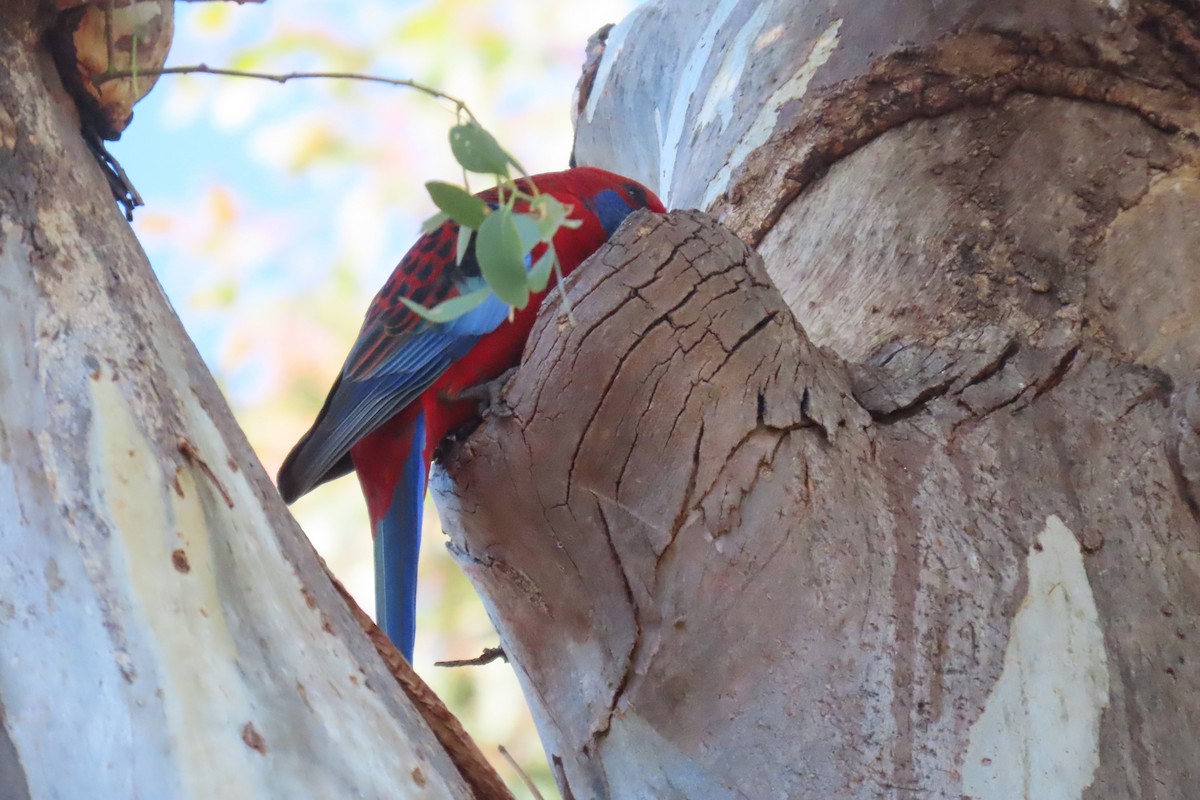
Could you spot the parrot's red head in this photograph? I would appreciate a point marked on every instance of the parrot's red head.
(610, 197)
(601, 201)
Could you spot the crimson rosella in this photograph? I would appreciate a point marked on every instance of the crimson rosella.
(399, 392)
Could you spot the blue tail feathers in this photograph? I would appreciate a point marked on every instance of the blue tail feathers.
(397, 544)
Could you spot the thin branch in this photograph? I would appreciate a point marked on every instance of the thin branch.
(122, 188)
(529, 784)
(488, 655)
(204, 69)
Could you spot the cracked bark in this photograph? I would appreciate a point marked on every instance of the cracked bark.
(795, 541)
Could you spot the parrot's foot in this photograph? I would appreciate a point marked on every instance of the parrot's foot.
(491, 404)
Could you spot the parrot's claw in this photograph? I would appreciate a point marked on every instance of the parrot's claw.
(489, 395)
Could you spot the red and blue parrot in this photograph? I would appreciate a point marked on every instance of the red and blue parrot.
(400, 391)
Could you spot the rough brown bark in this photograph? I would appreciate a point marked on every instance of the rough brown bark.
(937, 539)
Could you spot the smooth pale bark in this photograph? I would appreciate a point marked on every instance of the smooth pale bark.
(165, 629)
(921, 521)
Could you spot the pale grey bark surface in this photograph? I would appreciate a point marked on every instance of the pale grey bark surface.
(165, 629)
(921, 521)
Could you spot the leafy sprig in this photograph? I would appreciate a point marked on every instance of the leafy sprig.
(504, 236)
(505, 233)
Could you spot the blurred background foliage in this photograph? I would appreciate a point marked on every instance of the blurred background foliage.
(275, 212)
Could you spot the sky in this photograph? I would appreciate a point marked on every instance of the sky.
(274, 212)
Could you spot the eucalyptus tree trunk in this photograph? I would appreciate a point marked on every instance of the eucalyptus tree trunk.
(878, 480)
(165, 629)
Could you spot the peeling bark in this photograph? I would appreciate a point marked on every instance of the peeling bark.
(921, 521)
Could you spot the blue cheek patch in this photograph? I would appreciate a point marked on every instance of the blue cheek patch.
(611, 209)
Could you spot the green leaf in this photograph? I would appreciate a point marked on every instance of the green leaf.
(552, 215)
(528, 230)
(477, 150)
(539, 276)
(501, 257)
(448, 310)
(464, 242)
(456, 202)
(433, 223)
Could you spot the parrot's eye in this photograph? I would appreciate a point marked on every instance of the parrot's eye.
(636, 193)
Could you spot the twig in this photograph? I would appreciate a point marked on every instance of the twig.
(204, 69)
(122, 188)
(488, 655)
(512, 762)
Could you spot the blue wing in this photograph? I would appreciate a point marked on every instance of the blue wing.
(397, 356)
